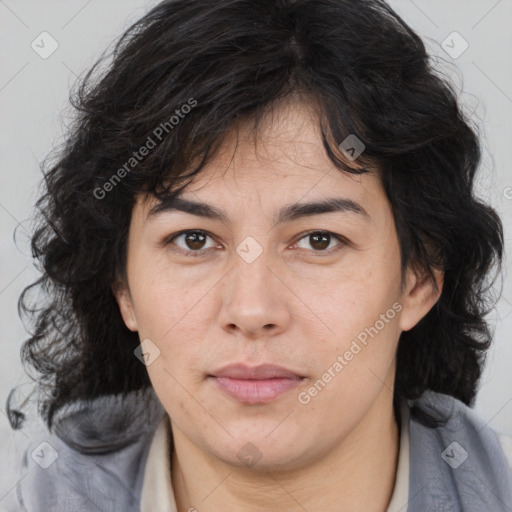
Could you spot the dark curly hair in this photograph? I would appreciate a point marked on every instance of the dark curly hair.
(210, 65)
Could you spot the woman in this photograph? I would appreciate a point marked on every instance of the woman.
(265, 267)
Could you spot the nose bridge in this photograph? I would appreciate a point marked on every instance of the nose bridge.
(253, 297)
(252, 269)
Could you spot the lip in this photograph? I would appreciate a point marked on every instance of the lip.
(260, 372)
(255, 385)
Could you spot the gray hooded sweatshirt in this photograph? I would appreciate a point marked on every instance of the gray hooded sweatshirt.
(94, 458)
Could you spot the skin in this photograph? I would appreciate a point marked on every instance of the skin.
(298, 305)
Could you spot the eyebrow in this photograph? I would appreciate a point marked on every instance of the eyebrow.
(287, 213)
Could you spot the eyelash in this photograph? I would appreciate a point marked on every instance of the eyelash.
(342, 241)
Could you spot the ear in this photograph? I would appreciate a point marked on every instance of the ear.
(124, 301)
(419, 297)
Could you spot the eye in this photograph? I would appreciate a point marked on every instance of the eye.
(321, 240)
(194, 241)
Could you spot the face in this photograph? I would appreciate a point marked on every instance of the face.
(271, 336)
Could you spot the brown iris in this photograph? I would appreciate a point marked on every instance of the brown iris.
(195, 239)
(320, 240)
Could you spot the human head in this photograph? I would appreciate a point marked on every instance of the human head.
(229, 62)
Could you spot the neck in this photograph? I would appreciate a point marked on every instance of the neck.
(358, 474)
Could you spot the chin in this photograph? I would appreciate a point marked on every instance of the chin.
(259, 447)
(261, 458)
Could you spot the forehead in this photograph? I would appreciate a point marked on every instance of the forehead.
(284, 160)
(287, 142)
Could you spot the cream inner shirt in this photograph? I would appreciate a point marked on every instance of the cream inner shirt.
(158, 496)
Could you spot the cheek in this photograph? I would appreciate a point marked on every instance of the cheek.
(163, 303)
(356, 363)
(359, 347)
(355, 304)
(174, 321)
(178, 397)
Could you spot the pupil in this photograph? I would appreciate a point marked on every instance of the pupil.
(192, 240)
(324, 240)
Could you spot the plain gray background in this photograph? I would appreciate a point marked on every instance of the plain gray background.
(34, 105)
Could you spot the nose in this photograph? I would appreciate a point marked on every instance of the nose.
(255, 299)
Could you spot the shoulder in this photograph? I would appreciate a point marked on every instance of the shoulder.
(456, 457)
(439, 409)
(93, 458)
(446, 410)
(506, 445)
(442, 413)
